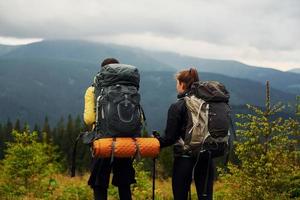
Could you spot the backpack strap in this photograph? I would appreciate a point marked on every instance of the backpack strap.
(97, 113)
(198, 114)
(206, 121)
(232, 128)
(113, 147)
(142, 114)
(138, 150)
(232, 137)
(144, 122)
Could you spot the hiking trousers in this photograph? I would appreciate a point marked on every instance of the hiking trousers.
(123, 177)
(183, 172)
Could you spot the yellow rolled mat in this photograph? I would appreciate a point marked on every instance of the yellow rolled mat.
(126, 147)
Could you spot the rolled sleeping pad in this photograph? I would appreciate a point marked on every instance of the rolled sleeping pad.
(126, 147)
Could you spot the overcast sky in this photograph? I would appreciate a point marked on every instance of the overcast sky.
(256, 32)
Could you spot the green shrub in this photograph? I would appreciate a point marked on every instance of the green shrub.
(76, 192)
(268, 149)
(28, 166)
(143, 187)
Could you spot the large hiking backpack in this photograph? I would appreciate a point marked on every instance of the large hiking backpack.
(118, 110)
(210, 115)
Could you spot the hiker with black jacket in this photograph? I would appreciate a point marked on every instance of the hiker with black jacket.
(123, 171)
(186, 166)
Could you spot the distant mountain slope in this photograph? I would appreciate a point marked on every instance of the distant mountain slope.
(296, 70)
(83, 51)
(32, 88)
(285, 81)
(158, 92)
(92, 53)
(4, 49)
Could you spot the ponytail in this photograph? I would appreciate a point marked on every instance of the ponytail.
(188, 77)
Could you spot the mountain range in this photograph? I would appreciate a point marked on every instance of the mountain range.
(295, 70)
(50, 78)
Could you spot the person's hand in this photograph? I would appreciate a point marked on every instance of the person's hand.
(156, 134)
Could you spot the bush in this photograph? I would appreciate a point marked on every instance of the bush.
(142, 189)
(268, 148)
(76, 192)
(28, 166)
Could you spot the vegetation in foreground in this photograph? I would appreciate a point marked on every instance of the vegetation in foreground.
(269, 157)
(267, 150)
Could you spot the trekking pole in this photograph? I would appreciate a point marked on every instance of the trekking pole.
(153, 179)
(156, 135)
(73, 164)
(206, 177)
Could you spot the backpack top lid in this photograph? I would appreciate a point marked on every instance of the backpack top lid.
(210, 91)
(113, 74)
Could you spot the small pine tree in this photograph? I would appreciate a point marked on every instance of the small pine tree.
(7, 130)
(17, 126)
(267, 149)
(27, 166)
(46, 128)
(2, 145)
(69, 139)
(36, 128)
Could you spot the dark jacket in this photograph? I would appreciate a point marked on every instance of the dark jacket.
(178, 123)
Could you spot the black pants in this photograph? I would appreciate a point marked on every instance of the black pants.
(123, 176)
(203, 173)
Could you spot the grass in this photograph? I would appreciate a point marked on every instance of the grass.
(63, 187)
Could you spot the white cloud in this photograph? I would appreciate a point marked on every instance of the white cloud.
(279, 59)
(17, 41)
(257, 31)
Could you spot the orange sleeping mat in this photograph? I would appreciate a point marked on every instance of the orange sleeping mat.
(126, 147)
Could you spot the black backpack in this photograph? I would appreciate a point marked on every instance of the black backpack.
(209, 111)
(118, 109)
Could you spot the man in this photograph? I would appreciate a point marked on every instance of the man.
(123, 171)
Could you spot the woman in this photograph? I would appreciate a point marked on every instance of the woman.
(185, 165)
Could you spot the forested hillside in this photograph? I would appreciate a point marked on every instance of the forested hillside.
(49, 78)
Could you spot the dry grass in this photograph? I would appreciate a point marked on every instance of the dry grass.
(77, 189)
